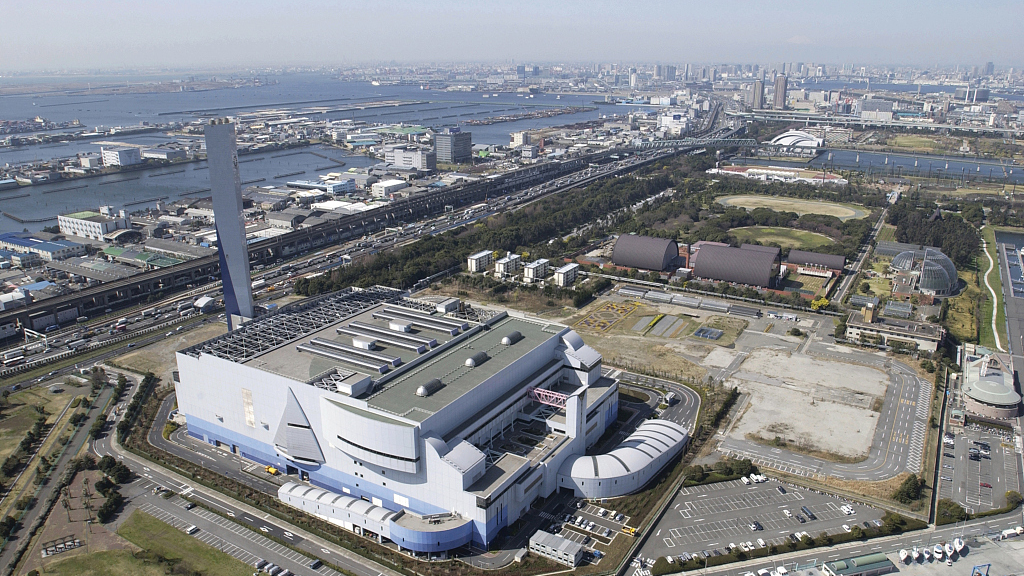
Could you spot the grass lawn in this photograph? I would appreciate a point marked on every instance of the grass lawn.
(812, 284)
(994, 279)
(919, 142)
(108, 563)
(20, 415)
(785, 237)
(165, 541)
(887, 233)
(751, 201)
(961, 320)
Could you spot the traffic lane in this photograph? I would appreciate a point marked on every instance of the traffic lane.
(171, 512)
(263, 524)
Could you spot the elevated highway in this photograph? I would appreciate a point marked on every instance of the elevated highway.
(194, 273)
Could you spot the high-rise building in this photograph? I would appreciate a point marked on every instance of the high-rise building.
(757, 95)
(990, 69)
(226, 187)
(453, 146)
(670, 73)
(659, 72)
(779, 103)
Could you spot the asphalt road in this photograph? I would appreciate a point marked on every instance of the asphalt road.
(683, 412)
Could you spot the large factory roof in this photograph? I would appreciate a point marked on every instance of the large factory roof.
(644, 252)
(420, 362)
(398, 395)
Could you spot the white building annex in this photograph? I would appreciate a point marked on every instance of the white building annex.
(401, 423)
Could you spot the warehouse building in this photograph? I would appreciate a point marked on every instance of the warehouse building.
(644, 252)
(750, 264)
(121, 156)
(400, 422)
(93, 225)
(988, 389)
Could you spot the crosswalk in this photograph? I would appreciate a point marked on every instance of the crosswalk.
(915, 451)
(219, 543)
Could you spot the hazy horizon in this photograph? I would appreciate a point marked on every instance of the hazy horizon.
(113, 34)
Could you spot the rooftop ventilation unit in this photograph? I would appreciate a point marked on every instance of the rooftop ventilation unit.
(356, 333)
(476, 359)
(421, 323)
(358, 352)
(380, 368)
(409, 315)
(429, 388)
(512, 338)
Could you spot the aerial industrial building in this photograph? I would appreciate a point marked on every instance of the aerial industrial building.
(749, 264)
(453, 146)
(644, 252)
(399, 422)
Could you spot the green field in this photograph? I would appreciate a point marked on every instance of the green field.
(886, 234)
(921, 142)
(781, 204)
(785, 237)
(163, 540)
(987, 338)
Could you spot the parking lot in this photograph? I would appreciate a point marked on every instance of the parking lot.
(978, 470)
(713, 516)
(606, 527)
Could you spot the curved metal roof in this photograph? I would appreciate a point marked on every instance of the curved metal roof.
(650, 440)
(355, 505)
(751, 266)
(993, 390)
(644, 252)
(796, 138)
(830, 261)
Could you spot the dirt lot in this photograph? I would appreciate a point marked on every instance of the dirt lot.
(94, 537)
(833, 401)
(640, 352)
(158, 357)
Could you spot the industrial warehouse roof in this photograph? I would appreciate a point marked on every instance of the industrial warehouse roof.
(650, 440)
(751, 265)
(644, 252)
(830, 261)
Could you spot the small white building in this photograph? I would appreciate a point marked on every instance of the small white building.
(89, 224)
(480, 261)
(90, 161)
(557, 548)
(386, 188)
(507, 266)
(536, 270)
(566, 275)
(121, 156)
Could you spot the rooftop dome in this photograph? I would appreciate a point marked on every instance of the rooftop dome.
(992, 390)
(904, 261)
(937, 272)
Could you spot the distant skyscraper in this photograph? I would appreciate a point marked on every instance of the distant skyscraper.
(659, 72)
(757, 95)
(226, 186)
(780, 92)
(670, 73)
(990, 69)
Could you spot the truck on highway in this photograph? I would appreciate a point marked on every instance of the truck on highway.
(75, 345)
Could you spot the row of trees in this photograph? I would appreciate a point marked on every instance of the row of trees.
(535, 229)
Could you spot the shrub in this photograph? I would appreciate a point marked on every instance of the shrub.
(909, 490)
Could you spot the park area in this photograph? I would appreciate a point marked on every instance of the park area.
(834, 401)
(801, 207)
(803, 283)
(146, 546)
(784, 237)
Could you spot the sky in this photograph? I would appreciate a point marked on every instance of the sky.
(114, 34)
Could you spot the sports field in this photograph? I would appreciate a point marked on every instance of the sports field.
(801, 207)
(785, 237)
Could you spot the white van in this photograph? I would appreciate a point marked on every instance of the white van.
(192, 529)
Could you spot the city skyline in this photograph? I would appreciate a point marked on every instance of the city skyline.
(189, 34)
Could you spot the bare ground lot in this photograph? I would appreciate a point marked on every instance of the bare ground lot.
(816, 404)
(158, 357)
